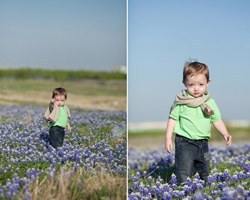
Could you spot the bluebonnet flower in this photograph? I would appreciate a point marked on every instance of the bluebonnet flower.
(27, 196)
(166, 196)
(219, 184)
(240, 191)
(173, 181)
(187, 189)
(198, 196)
(26, 143)
(229, 194)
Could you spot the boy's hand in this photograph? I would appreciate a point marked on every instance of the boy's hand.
(228, 139)
(169, 145)
(59, 103)
(220, 126)
(69, 128)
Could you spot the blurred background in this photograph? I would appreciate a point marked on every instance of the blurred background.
(79, 45)
(162, 36)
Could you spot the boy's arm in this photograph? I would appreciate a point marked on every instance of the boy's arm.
(49, 110)
(168, 140)
(69, 127)
(51, 105)
(220, 126)
(46, 114)
(54, 114)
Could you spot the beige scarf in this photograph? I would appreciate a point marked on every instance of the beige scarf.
(53, 111)
(183, 98)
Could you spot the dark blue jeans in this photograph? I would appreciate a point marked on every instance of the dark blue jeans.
(56, 134)
(191, 156)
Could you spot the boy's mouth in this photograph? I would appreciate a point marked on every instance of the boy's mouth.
(197, 94)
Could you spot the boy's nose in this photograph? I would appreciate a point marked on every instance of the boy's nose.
(196, 87)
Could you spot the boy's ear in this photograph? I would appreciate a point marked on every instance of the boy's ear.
(208, 83)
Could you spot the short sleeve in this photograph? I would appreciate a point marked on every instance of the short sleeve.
(217, 115)
(175, 112)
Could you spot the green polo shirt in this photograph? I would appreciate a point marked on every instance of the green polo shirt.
(192, 123)
(62, 119)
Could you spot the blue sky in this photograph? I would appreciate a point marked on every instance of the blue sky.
(164, 34)
(79, 34)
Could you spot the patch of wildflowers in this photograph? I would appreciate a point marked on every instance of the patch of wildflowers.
(230, 182)
(25, 149)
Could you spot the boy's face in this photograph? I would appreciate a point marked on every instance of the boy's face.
(196, 85)
(59, 100)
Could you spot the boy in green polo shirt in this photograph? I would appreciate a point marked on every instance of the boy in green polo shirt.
(58, 115)
(190, 118)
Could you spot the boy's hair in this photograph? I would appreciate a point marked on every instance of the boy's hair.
(59, 91)
(193, 68)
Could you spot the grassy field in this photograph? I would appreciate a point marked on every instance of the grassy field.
(91, 164)
(85, 94)
(151, 168)
(86, 89)
(156, 138)
(29, 73)
(85, 174)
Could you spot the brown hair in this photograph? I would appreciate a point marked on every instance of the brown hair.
(59, 91)
(193, 68)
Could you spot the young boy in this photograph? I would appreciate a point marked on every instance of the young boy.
(58, 114)
(190, 118)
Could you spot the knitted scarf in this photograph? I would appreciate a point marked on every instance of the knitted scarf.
(53, 111)
(183, 98)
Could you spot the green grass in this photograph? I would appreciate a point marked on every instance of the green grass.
(239, 134)
(84, 87)
(146, 133)
(166, 173)
(67, 182)
(20, 169)
(2, 119)
(62, 75)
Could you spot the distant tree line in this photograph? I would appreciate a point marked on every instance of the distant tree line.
(27, 73)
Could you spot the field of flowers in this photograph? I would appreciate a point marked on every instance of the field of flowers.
(95, 149)
(151, 175)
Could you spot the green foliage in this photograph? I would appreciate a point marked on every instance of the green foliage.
(103, 133)
(232, 168)
(59, 75)
(2, 119)
(5, 176)
(238, 133)
(146, 133)
(20, 169)
(82, 87)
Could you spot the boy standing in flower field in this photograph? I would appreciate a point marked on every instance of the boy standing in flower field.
(58, 115)
(190, 118)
